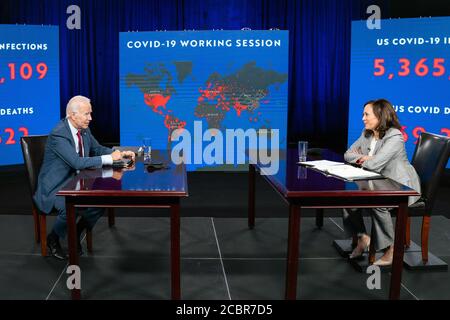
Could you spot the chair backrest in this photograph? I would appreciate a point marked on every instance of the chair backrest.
(33, 148)
(430, 159)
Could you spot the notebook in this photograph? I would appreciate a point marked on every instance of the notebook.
(351, 173)
(342, 170)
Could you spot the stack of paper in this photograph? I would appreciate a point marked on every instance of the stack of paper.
(342, 170)
(321, 163)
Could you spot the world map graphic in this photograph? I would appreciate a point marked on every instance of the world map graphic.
(239, 93)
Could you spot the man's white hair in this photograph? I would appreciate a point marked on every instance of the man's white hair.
(74, 104)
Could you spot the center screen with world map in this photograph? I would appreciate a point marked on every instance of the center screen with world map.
(200, 80)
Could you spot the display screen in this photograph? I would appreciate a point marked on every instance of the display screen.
(201, 80)
(407, 62)
(29, 86)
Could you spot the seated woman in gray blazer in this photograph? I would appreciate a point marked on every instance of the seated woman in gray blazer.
(380, 148)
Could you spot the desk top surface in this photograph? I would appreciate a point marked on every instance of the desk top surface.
(135, 181)
(294, 180)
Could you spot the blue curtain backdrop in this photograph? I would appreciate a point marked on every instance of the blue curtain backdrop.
(319, 52)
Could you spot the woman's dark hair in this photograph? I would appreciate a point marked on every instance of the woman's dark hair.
(385, 114)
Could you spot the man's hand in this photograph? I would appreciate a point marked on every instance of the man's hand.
(116, 155)
(131, 167)
(128, 154)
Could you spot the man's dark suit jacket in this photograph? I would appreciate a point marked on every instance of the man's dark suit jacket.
(61, 161)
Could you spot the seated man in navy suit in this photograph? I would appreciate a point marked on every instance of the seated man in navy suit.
(70, 147)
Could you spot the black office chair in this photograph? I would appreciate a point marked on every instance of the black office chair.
(33, 148)
(430, 159)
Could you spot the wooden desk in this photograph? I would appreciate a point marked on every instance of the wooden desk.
(135, 188)
(302, 187)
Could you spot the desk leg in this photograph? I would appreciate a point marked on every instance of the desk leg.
(72, 242)
(251, 196)
(292, 252)
(175, 250)
(319, 218)
(399, 243)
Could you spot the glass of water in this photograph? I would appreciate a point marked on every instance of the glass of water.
(147, 149)
(302, 150)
